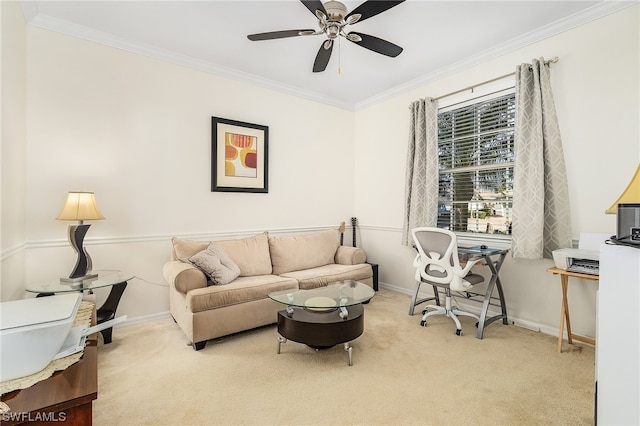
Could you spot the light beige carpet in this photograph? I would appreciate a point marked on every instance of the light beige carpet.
(403, 374)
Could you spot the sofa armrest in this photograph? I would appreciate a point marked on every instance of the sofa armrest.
(183, 276)
(346, 255)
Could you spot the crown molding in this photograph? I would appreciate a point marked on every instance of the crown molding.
(604, 8)
(600, 10)
(50, 23)
(29, 10)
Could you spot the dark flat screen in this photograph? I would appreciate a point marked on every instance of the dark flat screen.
(628, 217)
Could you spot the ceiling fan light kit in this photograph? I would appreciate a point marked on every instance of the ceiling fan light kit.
(332, 19)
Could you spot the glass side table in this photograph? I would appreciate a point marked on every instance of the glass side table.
(117, 280)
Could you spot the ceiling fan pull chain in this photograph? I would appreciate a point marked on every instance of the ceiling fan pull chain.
(339, 56)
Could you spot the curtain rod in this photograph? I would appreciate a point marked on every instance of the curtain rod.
(550, 61)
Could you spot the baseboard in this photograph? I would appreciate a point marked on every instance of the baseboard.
(529, 325)
(144, 318)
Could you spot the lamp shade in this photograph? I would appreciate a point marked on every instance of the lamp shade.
(80, 206)
(630, 195)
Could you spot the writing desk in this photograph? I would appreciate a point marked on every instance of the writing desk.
(564, 309)
(487, 254)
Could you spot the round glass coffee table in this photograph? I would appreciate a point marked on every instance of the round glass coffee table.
(323, 317)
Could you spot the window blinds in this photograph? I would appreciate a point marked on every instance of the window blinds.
(475, 144)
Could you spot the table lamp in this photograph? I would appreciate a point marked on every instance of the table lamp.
(80, 206)
(631, 194)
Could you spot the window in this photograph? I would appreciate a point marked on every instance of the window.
(475, 145)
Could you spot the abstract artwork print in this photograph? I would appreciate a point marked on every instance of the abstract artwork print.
(241, 157)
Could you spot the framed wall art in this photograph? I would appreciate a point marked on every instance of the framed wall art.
(239, 156)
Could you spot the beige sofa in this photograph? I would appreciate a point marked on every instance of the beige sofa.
(267, 263)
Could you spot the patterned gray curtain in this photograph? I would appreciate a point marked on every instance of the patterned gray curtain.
(421, 183)
(541, 216)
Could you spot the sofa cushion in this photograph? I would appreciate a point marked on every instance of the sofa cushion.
(241, 290)
(184, 249)
(327, 274)
(250, 254)
(215, 262)
(294, 253)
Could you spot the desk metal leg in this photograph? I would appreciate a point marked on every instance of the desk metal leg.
(415, 301)
(495, 281)
(503, 304)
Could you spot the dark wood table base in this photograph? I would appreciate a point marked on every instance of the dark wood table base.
(321, 330)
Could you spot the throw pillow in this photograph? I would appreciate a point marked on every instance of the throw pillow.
(216, 264)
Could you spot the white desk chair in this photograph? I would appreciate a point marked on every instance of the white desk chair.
(437, 264)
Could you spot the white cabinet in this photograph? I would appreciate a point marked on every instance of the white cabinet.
(618, 337)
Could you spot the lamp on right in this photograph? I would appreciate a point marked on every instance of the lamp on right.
(631, 194)
(627, 211)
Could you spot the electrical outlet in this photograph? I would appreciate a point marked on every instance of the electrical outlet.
(635, 234)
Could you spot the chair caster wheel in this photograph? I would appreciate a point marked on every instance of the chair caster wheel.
(424, 311)
(459, 332)
(423, 323)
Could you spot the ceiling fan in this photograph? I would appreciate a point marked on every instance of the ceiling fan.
(333, 20)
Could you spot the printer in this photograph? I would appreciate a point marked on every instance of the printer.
(577, 260)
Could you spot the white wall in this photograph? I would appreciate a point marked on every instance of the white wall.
(12, 148)
(596, 90)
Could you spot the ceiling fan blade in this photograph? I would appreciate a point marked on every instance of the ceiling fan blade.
(371, 8)
(323, 56)
(314, 5)
(276, 34)
(376, 44)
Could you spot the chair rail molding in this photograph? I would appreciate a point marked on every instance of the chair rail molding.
(12, 251)
(60, 242)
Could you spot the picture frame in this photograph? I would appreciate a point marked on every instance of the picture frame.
(239, 156)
